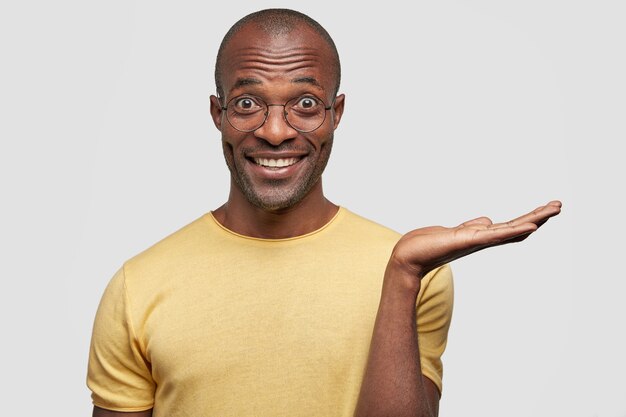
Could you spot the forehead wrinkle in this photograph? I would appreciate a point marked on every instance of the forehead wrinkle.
(274, 56)
(269, 62)
(280, 62)
(252, 81)
(276, 50)
(271, 67)
(277, 60)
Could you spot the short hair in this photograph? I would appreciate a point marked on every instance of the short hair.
(277, 22)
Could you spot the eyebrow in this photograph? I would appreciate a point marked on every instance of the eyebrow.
(307, 80)
(245, 81)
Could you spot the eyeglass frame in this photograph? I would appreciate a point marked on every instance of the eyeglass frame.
(267, 113)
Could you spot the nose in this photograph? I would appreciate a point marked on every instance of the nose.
(275, 130)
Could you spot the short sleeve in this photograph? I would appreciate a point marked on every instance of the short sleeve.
(434, 312)
(118, 375)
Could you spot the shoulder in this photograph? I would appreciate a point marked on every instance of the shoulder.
(362, 228)
(175, 250)
(361, 239)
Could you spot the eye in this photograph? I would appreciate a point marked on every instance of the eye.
(307, 102)
(246, 104)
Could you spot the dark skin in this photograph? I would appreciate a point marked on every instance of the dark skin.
(393, 385)
(278, 69)
(101, 412)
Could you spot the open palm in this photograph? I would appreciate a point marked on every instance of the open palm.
(422, 250)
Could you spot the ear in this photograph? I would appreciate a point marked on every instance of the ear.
(216, 112)
(338, 109)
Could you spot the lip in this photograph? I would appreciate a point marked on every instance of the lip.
(275, 173)
(276, 155)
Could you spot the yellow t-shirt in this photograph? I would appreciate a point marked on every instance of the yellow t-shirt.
(208, 322)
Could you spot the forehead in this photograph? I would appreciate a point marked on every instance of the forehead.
(256, 60)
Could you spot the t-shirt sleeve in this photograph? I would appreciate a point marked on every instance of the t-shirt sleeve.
(434, 312)
(118, 375)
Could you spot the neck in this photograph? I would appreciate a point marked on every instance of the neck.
(308, 215)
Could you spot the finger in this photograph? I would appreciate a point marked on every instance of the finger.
(439, 248)
(469, 240)
(538, 216)
(486, 221)
(518, 238)
(515, 239)
(427, 230)
(557, 205)
(488, 236)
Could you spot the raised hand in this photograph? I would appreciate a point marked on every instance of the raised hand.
(393, 383)
(422, 250)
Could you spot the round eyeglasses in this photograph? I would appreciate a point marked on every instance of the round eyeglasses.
(247, 113)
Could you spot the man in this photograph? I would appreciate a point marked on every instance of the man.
(279, 302)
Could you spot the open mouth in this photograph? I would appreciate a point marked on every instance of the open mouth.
(275, 163)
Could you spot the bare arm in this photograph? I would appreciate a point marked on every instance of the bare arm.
(101, 412)
(393, 385)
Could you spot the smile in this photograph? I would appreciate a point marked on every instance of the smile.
(275, 163)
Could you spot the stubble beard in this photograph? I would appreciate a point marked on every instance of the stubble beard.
(282, 196)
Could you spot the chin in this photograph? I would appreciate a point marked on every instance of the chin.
(275, 202)
(275, 195)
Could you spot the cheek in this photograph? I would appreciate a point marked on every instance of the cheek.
(319, 138)
(228, 152)
(322, 140)
(232, 139)
(230, 146)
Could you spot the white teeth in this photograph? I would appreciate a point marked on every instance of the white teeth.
(275, 163)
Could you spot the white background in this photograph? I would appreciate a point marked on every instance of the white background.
(454, 109)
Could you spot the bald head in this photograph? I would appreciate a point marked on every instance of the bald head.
(275, 23)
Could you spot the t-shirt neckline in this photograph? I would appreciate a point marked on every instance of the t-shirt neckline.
(333, 220)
